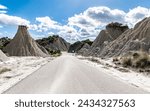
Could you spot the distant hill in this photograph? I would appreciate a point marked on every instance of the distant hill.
(75, 47)
(54, 43)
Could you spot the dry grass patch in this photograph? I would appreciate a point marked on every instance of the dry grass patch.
(138, 60)
(3, 70)
(94, 60)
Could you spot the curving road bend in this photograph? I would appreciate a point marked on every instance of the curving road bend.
(69, 75)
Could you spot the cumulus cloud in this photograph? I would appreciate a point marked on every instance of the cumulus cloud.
(69, 33)
(6, 19)
(3, 11)
(136, 14)
(3, 7)
(101, 16)
(104, 14)
(12, 20)
(96, 17)
(47, 21)
(44, 24)
(81, 21)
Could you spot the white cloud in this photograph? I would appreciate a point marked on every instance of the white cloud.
(51, 33)
(3, 7)
(46, 21)
(104, 14)
(136, 14)
(45, 24)
(12, 20)
(95, 17)
(82, 21)
(6, 19)
(3, 11)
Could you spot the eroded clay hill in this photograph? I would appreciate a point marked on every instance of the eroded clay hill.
(136, 39)
(24, 45)
(105, 37)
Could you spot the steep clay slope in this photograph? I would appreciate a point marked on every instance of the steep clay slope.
(84, 49)
(105, 37)
(135, 39)
(23, 44)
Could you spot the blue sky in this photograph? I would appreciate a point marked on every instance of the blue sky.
(72, 19)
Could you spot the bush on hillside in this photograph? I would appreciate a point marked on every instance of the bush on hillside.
(55, 52)
(87, 41)
(126, 61)
(137, 60)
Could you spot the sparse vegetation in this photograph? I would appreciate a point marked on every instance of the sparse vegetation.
(3, 70)
(140, 60)
(87, 41)
(115, 59)
(94, 60)
(126, 61)
(45, 41)
(55, 53)
(118, 25)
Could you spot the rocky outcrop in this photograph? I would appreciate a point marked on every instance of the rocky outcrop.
(54, 43)
(23, 45)
(135, 39)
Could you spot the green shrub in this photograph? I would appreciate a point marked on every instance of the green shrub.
(55, 52)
